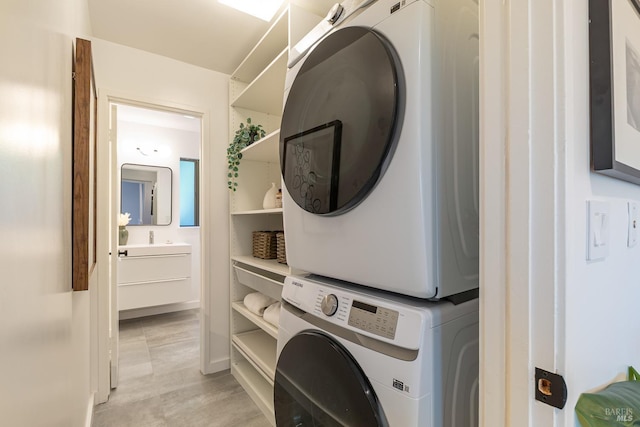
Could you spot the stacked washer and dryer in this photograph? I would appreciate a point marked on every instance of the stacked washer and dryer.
(379, 159)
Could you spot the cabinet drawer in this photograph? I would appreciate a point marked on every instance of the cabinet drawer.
(153, 268)
(149, 294)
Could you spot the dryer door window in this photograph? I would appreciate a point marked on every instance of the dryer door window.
(319, 383)
(340, 121)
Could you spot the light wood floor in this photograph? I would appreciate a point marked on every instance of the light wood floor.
(161, 385)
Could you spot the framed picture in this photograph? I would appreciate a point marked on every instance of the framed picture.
(311, 162)
(614, 74)
(84, 163)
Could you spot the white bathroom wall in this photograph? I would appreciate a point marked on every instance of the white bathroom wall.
(133, 74)
(172, 144)
(44, 326)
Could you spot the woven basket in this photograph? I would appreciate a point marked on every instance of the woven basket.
(264, 244)
(281, 250)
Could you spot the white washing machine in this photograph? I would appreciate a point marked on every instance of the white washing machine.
(379, 147)
(357, 357)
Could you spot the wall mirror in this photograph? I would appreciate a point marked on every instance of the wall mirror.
(145, 193)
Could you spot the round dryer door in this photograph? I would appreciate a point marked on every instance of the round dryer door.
(340, 121)
(318, 383)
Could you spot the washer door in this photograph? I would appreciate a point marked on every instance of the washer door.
(340, 121)
(318, 383)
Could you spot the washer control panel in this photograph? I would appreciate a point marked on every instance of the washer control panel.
(376, 320)
(366, 312)
(367, 317)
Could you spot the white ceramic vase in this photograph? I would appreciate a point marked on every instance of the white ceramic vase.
(269, 201)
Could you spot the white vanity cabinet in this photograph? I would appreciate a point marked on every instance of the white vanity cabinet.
(150, 275)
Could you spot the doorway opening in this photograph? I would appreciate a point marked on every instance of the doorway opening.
(156, 275)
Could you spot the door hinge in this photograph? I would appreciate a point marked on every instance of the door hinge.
(550, 388)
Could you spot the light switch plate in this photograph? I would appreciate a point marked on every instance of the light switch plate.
(598, 230)
(634, 223)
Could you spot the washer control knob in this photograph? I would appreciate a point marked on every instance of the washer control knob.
(335, 13)
(329, 304)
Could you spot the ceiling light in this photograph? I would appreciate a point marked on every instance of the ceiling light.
(263, 9)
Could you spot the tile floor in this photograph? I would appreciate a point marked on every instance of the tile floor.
(161, 385)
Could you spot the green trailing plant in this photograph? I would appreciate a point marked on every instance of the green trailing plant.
(246, 135)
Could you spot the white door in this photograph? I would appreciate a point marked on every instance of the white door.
(114, 317)
(107, 318)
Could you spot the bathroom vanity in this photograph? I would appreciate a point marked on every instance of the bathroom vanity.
(153, 274)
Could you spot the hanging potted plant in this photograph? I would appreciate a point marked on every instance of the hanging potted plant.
(246, 135)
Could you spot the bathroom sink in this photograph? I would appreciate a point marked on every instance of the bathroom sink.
(154, 249)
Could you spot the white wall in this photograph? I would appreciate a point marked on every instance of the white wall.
(44, 326)
(176, 143)
(137, 75)
(542, 303)
(602, 314)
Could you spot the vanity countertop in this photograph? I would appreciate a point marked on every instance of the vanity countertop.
(155, 249)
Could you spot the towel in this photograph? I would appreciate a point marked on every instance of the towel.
(272, 314)
(256, 302)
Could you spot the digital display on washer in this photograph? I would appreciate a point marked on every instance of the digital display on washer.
(365, 307)
(377, 320)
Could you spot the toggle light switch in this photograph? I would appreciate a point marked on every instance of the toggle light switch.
(598, 230)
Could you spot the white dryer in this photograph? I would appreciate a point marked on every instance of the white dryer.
(379, 147)
(358, 357)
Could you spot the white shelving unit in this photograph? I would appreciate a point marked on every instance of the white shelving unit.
(258, 320)
(259, 212)
(264, 150)
(266, 91)
(259, 389)
(256, 90)
(260, 350)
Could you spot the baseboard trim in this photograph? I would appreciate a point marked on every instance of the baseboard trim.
(159, 309)
(90, 405)
(216, 366)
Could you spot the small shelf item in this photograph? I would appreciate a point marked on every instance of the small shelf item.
(257, 302)
(279, 199)
(257, 320)
(281, 252)
(246, 134)
(264, 244)
(269, 200)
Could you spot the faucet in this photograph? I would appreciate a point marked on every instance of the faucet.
(151, 237)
